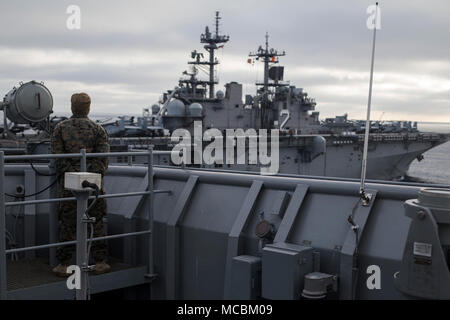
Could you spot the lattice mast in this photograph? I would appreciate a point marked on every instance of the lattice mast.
(211, 44)
(267, 56)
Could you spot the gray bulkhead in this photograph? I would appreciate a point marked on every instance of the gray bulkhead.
(206, 231)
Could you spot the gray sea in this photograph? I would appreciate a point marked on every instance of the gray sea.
(435, 167)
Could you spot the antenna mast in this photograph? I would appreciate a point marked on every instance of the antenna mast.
(211, 42)
(367, 197)
(267, 55)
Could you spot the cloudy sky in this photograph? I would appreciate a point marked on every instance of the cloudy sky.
(127, 53)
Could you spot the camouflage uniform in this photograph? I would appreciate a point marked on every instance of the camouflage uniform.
(70, 136)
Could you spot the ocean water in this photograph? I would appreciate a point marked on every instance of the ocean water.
(435, 167)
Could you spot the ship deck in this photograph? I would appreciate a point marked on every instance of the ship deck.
(34, 280)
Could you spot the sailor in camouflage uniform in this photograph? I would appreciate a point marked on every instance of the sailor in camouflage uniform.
(70, 136)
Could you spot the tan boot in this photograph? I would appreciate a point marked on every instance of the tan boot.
(61, 270)
(101, 267)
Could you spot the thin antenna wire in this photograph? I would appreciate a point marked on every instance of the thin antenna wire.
(362, 192)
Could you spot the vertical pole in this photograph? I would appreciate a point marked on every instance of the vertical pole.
(3, 286)
(217, 24)
(266, 65)
(264, 109)
(366, 135)
(52, 218)
(150, 210)
(81, 248)
(30, 214)
(130, 158)
(83, 160)
(5, 122)
(150, 198)
(211, 71)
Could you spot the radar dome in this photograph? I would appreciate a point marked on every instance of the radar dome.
(155, 108)
(220, 95)
(195, 109)
(31, 102)
(176, 108)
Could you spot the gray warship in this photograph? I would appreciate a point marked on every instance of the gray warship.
(308, 146)
(201, 233)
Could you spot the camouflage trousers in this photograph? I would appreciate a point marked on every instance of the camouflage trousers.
(67, 214)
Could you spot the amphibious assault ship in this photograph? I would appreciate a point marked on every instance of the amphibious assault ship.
(307, 146)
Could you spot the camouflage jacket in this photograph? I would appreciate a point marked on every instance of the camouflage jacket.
(74, 134)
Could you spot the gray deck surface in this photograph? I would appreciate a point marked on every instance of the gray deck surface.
(29, 273)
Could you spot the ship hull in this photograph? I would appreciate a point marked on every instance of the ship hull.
(337, 157)
(385, 161)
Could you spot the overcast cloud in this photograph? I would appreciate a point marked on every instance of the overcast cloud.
(128, 53)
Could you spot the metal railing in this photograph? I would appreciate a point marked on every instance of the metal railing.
(81, 239)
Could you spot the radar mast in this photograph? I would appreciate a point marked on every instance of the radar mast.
(211, 44)
(268, 56)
